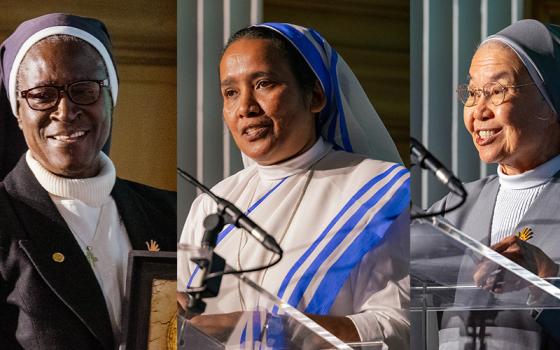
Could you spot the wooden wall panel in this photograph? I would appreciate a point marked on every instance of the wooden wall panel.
(373, 38)
(144, 44)
(547, 11)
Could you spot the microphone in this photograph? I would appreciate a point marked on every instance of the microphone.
(235, 216)
(427, 161)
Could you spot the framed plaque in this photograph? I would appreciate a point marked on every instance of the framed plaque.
(149, 313)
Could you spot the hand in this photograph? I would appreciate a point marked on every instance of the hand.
(340, 326)
(491, 278)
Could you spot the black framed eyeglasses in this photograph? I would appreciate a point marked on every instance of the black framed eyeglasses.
(83, 92)
(495, 91)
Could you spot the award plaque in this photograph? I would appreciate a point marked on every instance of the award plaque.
(149, 313)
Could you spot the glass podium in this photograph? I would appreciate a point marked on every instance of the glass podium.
(266, 322)
(443, 264)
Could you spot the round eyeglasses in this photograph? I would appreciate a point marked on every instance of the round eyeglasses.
(83, 92)
(495, 91)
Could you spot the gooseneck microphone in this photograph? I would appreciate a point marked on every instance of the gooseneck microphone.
(427, 161)
(235, 216)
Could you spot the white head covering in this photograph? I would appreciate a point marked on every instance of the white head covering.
(27, 34)
(348, 120)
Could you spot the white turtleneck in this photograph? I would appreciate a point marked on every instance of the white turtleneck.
(296, 165)
(91, 214)
(516, 195)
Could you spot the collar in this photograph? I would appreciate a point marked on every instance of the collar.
(94, 191)
(532, 178)
(295, 165)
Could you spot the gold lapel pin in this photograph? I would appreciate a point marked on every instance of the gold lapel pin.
(58, 257)
(152, 246)
(525, 234)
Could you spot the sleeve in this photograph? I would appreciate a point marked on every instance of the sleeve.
(381, 289)
(191, 236)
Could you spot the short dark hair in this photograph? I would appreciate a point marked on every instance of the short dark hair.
(298, 65)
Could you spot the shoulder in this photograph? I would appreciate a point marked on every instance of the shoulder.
(163, 200)
(473, 188)
(232, 184)
(148, 192)
(240, 178)
(358, 168)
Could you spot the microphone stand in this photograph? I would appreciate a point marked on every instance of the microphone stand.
(427, 161)
(210, 264)
(213, 266)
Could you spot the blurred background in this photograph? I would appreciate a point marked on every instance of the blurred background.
(143, 33)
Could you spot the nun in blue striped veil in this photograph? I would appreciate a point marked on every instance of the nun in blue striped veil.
(322, 176)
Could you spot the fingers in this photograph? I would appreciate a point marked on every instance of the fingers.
(485, 274)
(505, 243)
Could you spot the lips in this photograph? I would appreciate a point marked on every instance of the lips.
(486, 136)
(256, 130)
(68, 136)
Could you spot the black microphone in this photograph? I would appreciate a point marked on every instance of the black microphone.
(236, 216)
(427, 161)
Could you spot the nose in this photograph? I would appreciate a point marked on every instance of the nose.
(481, 110)
(248, 105)
(65, 111)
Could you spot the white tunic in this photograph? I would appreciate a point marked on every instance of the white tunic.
(323, 190)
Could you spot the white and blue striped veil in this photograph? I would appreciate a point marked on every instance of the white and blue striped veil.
(350, 123)
(348, 120)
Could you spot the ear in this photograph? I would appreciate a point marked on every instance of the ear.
(318, 98)
(18, 118)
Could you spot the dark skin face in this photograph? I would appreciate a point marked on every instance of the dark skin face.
(66, 139)
(269, 116)
(271, 120)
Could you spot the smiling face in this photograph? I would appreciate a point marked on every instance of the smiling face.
(269, 116)
(67, 138)
(520, 133)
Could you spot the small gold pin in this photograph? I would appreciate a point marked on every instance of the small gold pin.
(152, 246)
(58, 257)
(525, 234)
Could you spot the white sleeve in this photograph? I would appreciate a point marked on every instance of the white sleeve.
(381, 289)
(191, 235)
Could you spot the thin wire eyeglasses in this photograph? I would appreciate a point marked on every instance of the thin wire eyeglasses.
(493, 90)
(83, 92)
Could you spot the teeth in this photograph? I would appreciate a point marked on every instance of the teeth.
(253, 129)
(486, 133)
(68, 137)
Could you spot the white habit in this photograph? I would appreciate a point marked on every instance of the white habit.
(320, 192)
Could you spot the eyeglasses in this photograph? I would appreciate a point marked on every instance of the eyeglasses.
(83, 92)
(493, 90)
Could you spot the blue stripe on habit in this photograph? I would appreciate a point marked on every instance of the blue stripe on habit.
(230, 227)
(373, 233)
(347, 228)
(256, 326)
(333, 222)
(243, 335)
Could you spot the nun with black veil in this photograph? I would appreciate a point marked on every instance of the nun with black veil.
(67, 222)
